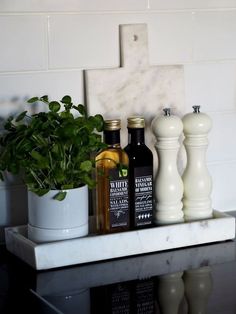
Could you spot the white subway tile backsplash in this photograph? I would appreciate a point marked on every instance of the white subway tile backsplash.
(91, 41)
(87, 40)
(112, 5)
(211, 85)
(71, 5)
(15, 89)
(214, 35)
(190, 4)
(23, 43)
(222, 143)
(98, 5)
(170, 38)
(223, 179)
(82, 41)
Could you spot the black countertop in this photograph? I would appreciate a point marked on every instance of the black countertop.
(195, 280)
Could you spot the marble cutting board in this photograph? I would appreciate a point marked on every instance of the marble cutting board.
(135, 88)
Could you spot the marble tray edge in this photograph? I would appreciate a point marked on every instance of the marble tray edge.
(18, 244)
(68, 252)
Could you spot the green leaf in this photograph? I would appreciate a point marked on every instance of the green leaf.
(44, 98)
(55, 149)
(67, 186)
(66, 100)
(52, 148)
(39, 192)
(13, 168)
(60, 196)
(21, 116)
(66, 115)
(54, 106)
(42, 161)
(90, 182)
(67, 131)
(8, 126)
(40, 140)
(58, 152)
(59, 175)
(32, 100)
(81, 109)
(86, 166)
(23, 145)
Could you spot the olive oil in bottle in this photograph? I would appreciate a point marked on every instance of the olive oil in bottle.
(140, 175)
(112, 196)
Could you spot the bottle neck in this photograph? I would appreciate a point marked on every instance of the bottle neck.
(112, 138)
(136, 136)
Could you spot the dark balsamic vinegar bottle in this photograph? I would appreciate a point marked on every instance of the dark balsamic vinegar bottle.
(140, 175)
(112, 210)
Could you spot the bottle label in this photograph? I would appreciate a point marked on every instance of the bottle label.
(143, 196)
(119, 199)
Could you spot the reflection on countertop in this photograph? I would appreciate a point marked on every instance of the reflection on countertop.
(174, 282)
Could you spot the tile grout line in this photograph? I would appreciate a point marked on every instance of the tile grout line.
(97, 12)
(61, 69)
(48, 42)
(193, 23)
(222, 112)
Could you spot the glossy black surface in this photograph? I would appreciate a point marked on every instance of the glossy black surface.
(16, 282)
(194, 280)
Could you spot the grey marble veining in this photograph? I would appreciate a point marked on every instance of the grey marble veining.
(136, 88)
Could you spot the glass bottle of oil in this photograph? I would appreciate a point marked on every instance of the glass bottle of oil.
(140, 175)
(112, 196)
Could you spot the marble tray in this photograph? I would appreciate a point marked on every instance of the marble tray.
(102, 247)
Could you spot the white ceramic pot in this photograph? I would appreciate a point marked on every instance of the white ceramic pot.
(51, 220)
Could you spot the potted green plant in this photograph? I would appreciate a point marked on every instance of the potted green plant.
(53, 151)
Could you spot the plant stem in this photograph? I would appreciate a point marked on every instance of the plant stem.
(36, 178)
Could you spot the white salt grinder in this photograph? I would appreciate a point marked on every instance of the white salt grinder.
(198, 288)
(196, 178)
(168, 187)
(170, 292)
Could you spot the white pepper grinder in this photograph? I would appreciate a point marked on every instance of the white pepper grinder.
(168, 187)
(196, 178)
